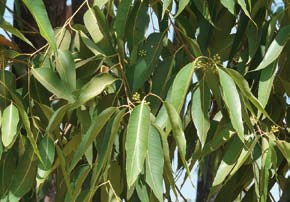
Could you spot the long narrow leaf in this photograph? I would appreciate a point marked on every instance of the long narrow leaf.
(137, 141)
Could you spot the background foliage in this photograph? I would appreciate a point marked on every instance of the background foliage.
(97, 113)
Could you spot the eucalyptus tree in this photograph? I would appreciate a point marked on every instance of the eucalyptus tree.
(103, 106)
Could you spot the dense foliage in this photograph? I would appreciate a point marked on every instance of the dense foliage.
(98, 112)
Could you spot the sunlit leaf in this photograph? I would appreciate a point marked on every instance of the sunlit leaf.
(137, 141)
(275, 48)
(231, 98)
(51, 82)
(38, 11)
(10, 120)
(200, 103)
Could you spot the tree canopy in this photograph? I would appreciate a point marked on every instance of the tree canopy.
(94, 105)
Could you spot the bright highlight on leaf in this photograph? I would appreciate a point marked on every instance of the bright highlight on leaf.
(137, 141)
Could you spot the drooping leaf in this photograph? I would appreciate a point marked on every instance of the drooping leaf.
(165, 6)
(243, 5)
(265, 169)
(38, 11)
(66, 68)
(107, 146)
(176, 96)
(47, 152)
(231, 98)
(24, 175)
(94, 87)
(7, 168)
(202, 6)
(245, 89)
(200, 104)
(122, 17)
(181, 6)
(232, 153)
(97, 26)
(10, 120)
(24, 117)
(98, 122)
(230, 5)
(137, 141)
(266, 83)
(176, 125)
(14, 31)
(275, 48)
(51, 82)
(65, 172)
(284, 147)
(155, 163)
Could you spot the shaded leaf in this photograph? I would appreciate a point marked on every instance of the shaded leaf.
(98, 122)
(94, 87)
(284, 147)
(47, 152)
(24, 176)
(155, 163)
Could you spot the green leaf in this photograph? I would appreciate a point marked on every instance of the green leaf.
(181, 6)
(98, 122)
(66, 68)
(7, 168)
(176, 125)
(168, 172)
(9, 28)
(38, 11)
(266, 165)
(286, 86)
(56, 118)
(231, 98)
(51, 82)
(230, 5)
(137, 141)
(155, 163)
(243, 5)
(47, 152)
(284, 147)
(23, 178)
(200, 104)
(94, 87)
(65, 172)
(165, 6)
(78, 179)
(176, 96)
(10, 120)
(140, 75)
(232, 153)
(122, 17)
(246, 91)
(202, 6)
(107, 146)
(97, 26)
(275, 48)
(142, 191)
(25, 120)
(266, 83)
